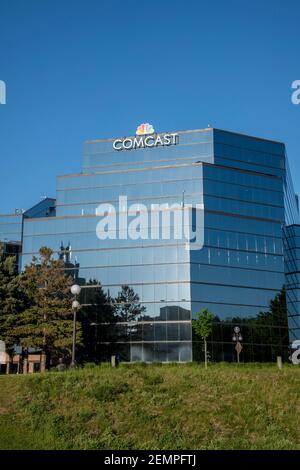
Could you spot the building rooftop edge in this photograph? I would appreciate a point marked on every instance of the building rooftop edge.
(92, 141)
(47, 198)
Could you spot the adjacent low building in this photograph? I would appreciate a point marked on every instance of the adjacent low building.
(117, 223)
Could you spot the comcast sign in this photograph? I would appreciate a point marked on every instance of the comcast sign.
(145, 137)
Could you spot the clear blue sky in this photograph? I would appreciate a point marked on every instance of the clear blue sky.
(85, 69)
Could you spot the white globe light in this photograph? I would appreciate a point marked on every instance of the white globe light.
(75, 289)
(236, 329)
(75, 304)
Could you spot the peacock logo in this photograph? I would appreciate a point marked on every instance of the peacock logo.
(145, 128)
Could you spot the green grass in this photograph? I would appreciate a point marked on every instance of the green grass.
(153, 407)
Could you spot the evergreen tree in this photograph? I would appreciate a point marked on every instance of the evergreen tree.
(12, 300)
(97, 318)
(265, 336)
(47, 322)
(127, 310)
(127, 305)
(271, 328)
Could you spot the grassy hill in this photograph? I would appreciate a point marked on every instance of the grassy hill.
(153, 407)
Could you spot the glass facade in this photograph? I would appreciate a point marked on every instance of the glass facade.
(292, 266)
(244, 186)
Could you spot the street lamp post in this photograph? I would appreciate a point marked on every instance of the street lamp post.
(237, 337)
(75, 290)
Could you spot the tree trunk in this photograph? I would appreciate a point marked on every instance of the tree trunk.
(25, 366)
(8, 364)
(43, 362)
(205, 353)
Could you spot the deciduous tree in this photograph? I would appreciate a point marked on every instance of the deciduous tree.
(203, 326)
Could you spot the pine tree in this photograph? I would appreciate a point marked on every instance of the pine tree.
(127, 305)
(98, 319)
(12, 300)
(47, 322)
(127, 309)
(271, 327)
